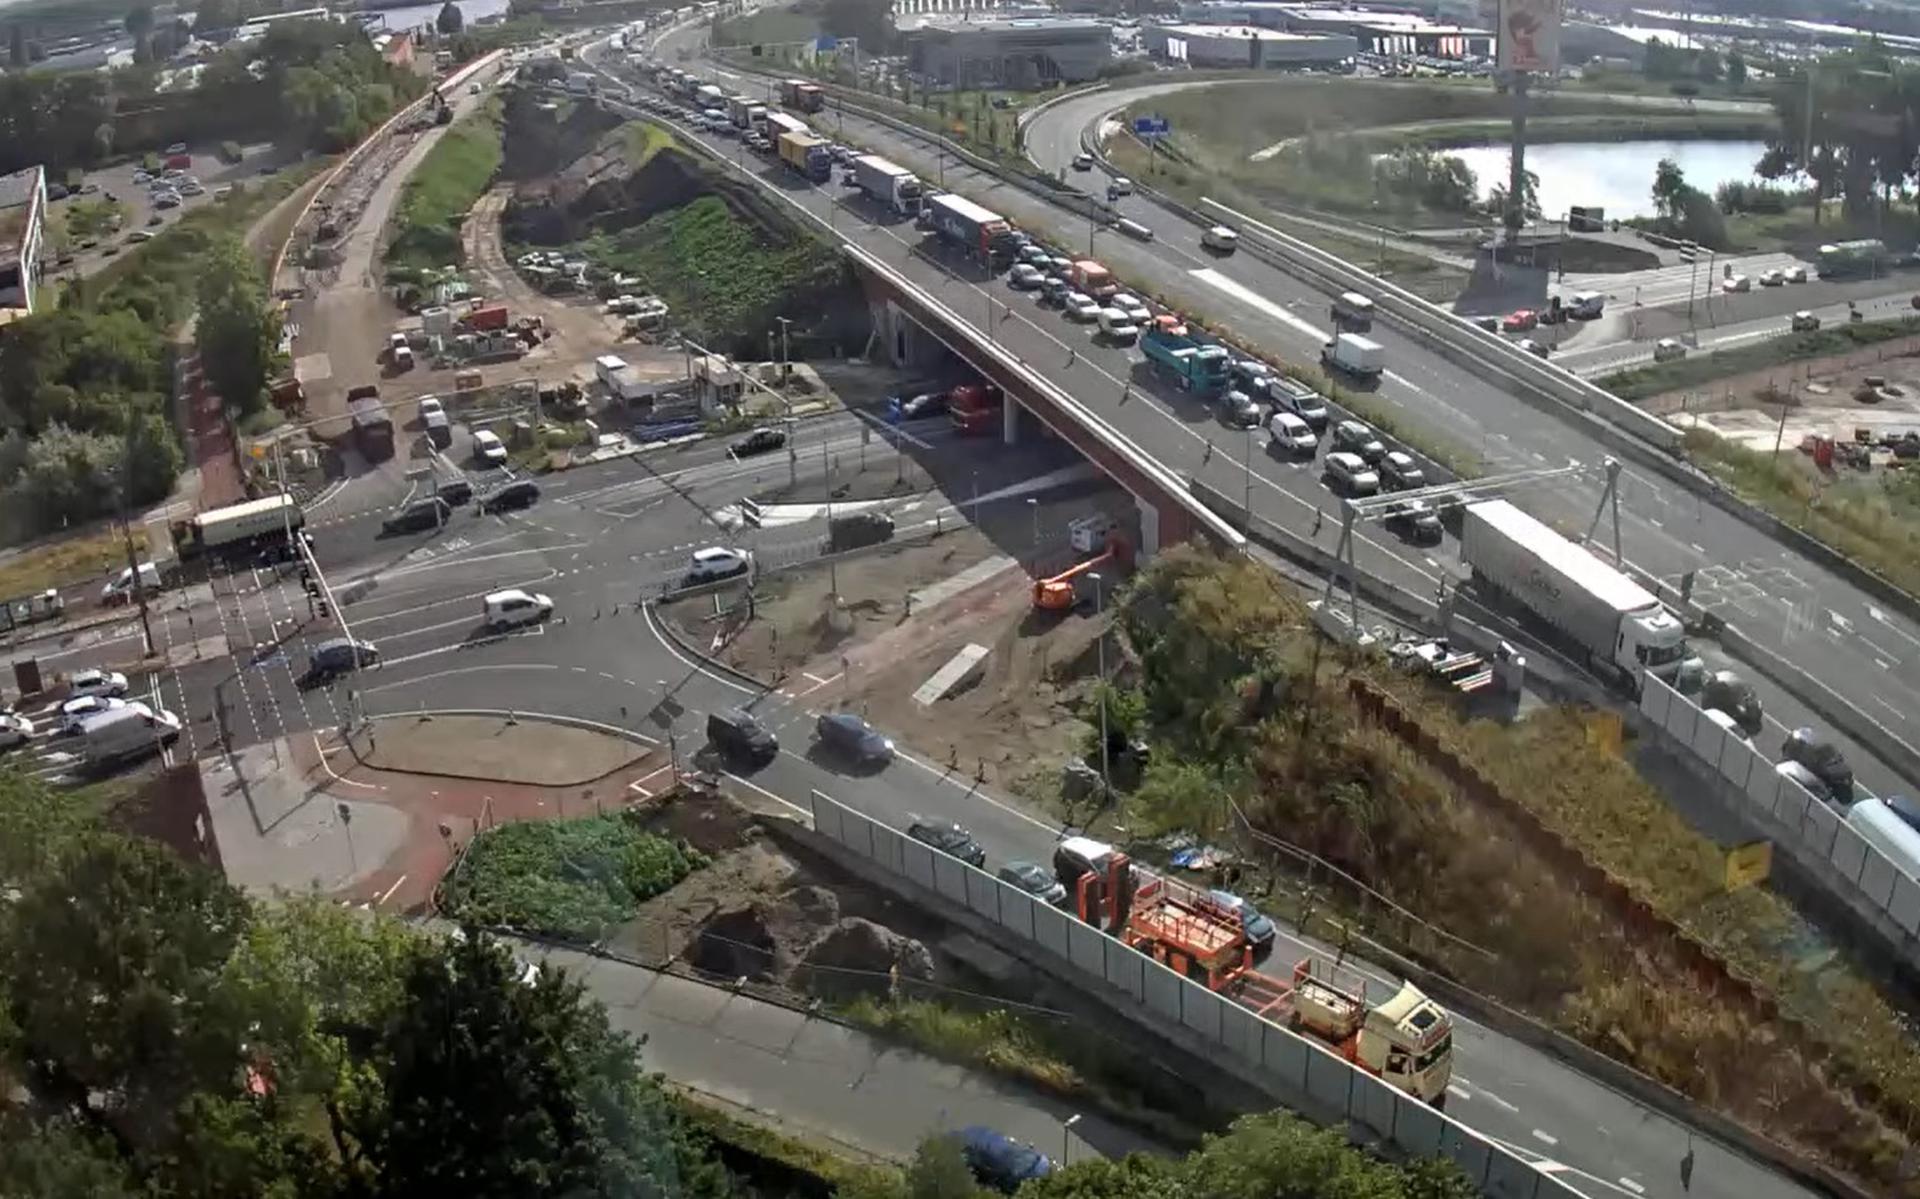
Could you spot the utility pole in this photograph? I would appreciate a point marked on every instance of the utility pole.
(1099, 596)
(786, 357)
(126, 529)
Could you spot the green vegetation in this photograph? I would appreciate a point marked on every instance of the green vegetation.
(296, 1048)
(93, 218)
(436, 200)
(774, 30)
(1659, 378)
(1270, 1156)
(320, 86)
(572, 879)
(720, 274)
(33, 570)
(237, 326)
(1248, 734)
(829, 1164)
(1875, 520)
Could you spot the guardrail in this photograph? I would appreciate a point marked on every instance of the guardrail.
(1817, 836)
(1294, 1070)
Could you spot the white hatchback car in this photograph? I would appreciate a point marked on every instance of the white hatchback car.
(15, 730)
(1135, 308)
(1080, 307)
(430, 406)
(98, 682)
(1024, 277)
(488, 448)
(75, 712)
(717, 562)
(1291, 434)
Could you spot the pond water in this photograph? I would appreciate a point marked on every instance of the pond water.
(1617, 176)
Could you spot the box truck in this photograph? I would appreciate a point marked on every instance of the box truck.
(1358, 356)
(710, 96)
(892, 185)
(801, 96)
(1618, 625)
(780, 122)
(983, 234)
(807, 154)
(738, 109)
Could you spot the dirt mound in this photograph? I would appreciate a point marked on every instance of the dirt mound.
(539, 137)
(737, 944)
(858, 957)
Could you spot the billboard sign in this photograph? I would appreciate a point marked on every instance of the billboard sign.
(1150, 126)
(1530, 35)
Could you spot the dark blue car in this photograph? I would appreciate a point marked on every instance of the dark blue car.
(999, 1161)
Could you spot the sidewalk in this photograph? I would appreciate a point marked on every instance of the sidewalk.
(819, 1077)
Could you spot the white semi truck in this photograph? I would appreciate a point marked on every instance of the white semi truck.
(890, 184)
(254, 524)
(1619, 626)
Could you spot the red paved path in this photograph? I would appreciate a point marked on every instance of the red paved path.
(211, 442)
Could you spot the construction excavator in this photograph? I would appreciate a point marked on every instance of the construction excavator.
(1060, 593)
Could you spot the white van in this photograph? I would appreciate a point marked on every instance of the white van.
(514, 607)
(1588, 305)
(119, 589)
(1116, 327)
(125, 732)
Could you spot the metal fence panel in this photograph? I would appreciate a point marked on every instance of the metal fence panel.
(1709, 742)
(1016, 914)
(1285, 1056)
(1849, 854)
(829, 818)
(890, 846)
(1200, 1010)
(1819, 827)
(1763, 788)
(1905, 908)
(1655, 698)
(983, 892)
(1162, 988)
(917, 859)
(1416, 1126)
(1876, 879)
(1681, 718)
(1051, 928)
(1739, 761)
(1510, 1178)
(1240, 1032)
(1468, 1151)
(1329, 1078)
(1086, 949)
(1791, 805)
(1126, 970)
(1374, 1103)
(950, 877)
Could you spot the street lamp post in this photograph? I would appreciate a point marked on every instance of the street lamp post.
(1033, 509)
(1066, 1132)
(1100, 650)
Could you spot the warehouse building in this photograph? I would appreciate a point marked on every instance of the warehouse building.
(23, 219)
(1243, 47)
(1021, 52)
(1374, 31)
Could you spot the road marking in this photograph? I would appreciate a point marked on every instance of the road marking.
(1841, 622)
(1545, 1138)
(1631, 1185)
(818, 683)
(388, 893)
(1486, 1094)
(646, 612)
(1458, 1091)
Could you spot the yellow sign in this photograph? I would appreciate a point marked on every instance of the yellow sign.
(1603, 731)
(1749, 864)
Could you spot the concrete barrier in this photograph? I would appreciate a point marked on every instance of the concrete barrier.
(1296, 1072)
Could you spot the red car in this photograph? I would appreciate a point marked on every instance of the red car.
(1520, 321)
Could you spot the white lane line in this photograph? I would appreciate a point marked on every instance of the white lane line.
(1458, 1092)
(1486, 1094)
(1545, 1138)
(646, 613)
(1631, 1185)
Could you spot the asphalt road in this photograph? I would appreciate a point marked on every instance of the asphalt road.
(1590, 1136)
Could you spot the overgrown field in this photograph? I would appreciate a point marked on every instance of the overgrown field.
(454, 174)
(1657, 378)
(722, 276)
(1240, 722)
(571, 879)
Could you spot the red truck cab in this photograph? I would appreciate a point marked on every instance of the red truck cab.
(974, 408)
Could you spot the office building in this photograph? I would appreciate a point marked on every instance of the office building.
(1243, 47)
(1019, 52)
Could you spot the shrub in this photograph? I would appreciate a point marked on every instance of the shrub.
(573, 879)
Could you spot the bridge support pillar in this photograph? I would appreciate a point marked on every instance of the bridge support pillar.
(903, 342)
(1009, 421)
(1149, 529)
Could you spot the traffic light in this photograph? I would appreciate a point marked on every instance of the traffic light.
(320, 610)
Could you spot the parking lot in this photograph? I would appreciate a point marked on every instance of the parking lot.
(140, 215)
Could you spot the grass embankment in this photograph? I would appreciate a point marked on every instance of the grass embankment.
(1875, 520)
(454, 174)
(777, 31)
(1235, 711)
(770, 1158)
(1658, 378)
(1049, 1052)
(571, 879)
(84, 556)
(718, 273)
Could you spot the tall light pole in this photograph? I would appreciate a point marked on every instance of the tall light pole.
(1033, 510)
(785, 357)
(1106, 774)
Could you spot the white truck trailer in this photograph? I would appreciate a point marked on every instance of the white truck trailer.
(1358, 356)
(255, 523)
(889, 183)
(1619, 626)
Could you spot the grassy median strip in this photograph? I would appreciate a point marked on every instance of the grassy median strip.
(1658, 378)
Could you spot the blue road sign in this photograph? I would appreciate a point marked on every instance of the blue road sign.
(826, 42)
(1150, 126)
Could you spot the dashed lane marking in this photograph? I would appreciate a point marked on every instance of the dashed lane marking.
(1545, 1138)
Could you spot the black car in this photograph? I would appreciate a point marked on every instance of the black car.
(455, 491)
(518, 494)
(738, 733)
(1824, 759)
(1416, 522)
(1035, 881)
(760, 441)
(949, 839)
(846, 733)
(1354, 437)
(430, 513)
(1399, 472)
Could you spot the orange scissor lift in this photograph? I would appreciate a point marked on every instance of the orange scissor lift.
(1407, 1041)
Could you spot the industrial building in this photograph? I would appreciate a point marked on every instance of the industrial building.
(1243, 47)
(23, 219)
(1018, 52)
(1373, 31)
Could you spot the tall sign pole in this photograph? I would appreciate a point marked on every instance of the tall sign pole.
(1529, 44)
